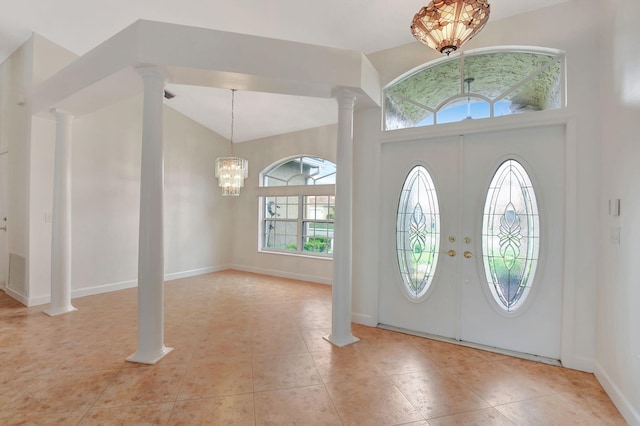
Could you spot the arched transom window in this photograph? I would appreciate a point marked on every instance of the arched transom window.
(475, 85)
(298, 206)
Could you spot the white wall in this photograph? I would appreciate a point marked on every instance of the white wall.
(106, 197)
(17, 72)
(48, 58)
(618, 345)
(366, 207)
(106, 184)
(196, 217)
(30, 153)
(40, 207)
(205, 231)
(261, 153)
(577, 37)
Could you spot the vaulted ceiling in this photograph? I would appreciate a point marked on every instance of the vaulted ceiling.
(368, 26)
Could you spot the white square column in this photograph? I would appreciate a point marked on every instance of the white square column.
(342, 228)
(151, 346)
(61, 219)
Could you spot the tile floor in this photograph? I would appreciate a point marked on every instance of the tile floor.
(249, 351)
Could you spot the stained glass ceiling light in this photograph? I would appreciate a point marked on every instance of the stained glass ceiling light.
(445, 25)
(231, 171)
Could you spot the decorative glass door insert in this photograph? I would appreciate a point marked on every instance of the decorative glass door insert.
(418, 232)
(510, 236)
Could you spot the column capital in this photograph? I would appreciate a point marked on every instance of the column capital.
(346, 97)
(59, 113)
(148, 72)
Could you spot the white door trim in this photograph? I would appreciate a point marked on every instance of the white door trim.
(542, 118)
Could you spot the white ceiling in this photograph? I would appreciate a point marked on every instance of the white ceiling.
(365, 25)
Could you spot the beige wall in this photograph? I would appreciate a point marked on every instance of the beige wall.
(30, 171)
(48, 58)
(17, 72)
(106, 198)
(105, 188)
(261, 153)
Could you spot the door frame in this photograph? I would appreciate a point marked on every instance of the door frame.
(496, 124)
(4, 188)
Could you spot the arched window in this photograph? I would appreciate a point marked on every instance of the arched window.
(475, 85)
(298, 206)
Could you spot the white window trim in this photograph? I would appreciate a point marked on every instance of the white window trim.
(299, 191)
(300, 219)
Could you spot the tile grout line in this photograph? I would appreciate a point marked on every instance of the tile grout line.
(101, 393)
(324, 386)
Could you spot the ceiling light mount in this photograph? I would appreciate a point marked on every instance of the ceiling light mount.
(231, 171)
(445, 25)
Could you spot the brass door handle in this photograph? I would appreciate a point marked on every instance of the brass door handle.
(3, 228)
(467, 254)
(451, 252)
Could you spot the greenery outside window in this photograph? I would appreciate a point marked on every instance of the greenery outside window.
(298, 206)
(475, 85)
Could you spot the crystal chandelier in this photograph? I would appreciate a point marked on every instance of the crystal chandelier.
(231, 171)
(445, 25)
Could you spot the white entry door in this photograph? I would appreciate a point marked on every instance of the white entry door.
(465, 300)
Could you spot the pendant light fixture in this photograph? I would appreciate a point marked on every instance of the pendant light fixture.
(445, 25)
(469, 80)
(231, 171)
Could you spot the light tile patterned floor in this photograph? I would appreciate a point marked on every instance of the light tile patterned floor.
(249, 351)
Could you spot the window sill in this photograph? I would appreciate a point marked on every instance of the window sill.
(286, 253)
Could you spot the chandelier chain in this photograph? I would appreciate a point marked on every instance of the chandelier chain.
(233, 102)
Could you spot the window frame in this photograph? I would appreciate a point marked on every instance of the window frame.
(535, 236)
(301, 192)
(431, 191)
(559, 58)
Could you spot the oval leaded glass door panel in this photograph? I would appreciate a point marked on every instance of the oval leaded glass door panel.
(418, 232)
(510, 236)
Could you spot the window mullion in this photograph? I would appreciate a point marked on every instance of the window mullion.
(300, 223)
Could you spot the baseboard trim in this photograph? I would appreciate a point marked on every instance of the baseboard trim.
(579, 363)
(17, 296)
(106, 288)
(282, 274)
(362, 319)
(623, 405)
(194, 272)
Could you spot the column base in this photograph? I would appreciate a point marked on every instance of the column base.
(52, 312)
(341, 342)
(149, 359)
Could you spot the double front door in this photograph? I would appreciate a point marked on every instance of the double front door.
(491, 272)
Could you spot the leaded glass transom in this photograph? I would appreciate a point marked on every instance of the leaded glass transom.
(418, 232)
(475, 85)
(510, 236)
